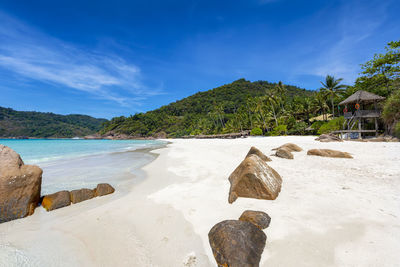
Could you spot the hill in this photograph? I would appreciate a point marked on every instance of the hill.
(45, 125)
(207, 112)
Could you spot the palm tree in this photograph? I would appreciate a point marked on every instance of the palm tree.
(280, 90)
(273, 101)
(332, 88)
(320, 103)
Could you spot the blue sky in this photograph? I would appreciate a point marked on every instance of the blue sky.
(112, 58)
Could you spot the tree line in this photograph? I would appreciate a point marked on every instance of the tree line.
(271, 108)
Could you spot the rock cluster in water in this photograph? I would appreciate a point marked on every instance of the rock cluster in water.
(20, 187)
(65, 198)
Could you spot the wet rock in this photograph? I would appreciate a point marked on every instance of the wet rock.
(258, 218)
(329, 153)
(284, 153)
(81, 195)
(256, 151)
(57, 200)
(103, 189)
(253, 178)
(237, 243)
(20, 186)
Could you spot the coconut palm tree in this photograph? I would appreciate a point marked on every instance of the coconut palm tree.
(320, 103)
(332, 88)
(273, 101)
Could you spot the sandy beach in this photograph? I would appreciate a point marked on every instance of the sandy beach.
(330, 212)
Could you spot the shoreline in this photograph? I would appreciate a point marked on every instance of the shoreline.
(327, 214)
(46, 238)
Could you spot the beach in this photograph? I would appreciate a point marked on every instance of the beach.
(330, 212)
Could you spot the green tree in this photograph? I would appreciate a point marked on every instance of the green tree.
(319, 104)
(381, 74)
(391, 111)
(332, 88)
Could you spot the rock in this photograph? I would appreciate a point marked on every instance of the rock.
(56, 200)
(329, 153)
(290, 147)
(19, 186)
(284, 153)
(328, 138)
(258, 218)
(9, 158)
(81, 195)
(160, 135)
(253, 178)
(237, 243)
(103, 189)
(256, 151)
(386, 138)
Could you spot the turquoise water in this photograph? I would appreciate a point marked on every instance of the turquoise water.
(42, 150)
(73, 164)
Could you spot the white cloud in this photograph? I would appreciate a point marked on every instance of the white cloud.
(35, 55)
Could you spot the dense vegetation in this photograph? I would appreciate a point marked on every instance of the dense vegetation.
(230, 108)
(268, 108)
(38, 124)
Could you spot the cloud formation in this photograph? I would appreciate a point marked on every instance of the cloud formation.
(32, 54)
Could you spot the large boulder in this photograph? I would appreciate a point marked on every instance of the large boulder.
(284, 153)
(253, 178)
(237, 243)
(103, 189)
(81, 195)
(256, 151)
(20, 186)
(258, 218)
(328, 138)
(56, 200)
(290, 147)
(9, 159)
(329, 153)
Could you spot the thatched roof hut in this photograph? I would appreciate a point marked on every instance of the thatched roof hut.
(362, 97)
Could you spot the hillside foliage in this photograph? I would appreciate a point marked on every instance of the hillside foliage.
(45, 125)
(232, 107)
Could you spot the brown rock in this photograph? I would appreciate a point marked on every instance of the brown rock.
(253, 178)
(284, 153)
(237, 243)
(160, 135)
(19, 186)
(290, 147)
(258, 218)
(56, 200)
(9, 159)
(81, 195)
(256, 151)
(103, 189)
(329, 153)
(328, 138)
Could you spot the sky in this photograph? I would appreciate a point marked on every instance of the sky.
(113, 58)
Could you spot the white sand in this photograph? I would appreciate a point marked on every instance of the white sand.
(330, 212)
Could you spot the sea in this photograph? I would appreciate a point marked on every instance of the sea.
(70, 164)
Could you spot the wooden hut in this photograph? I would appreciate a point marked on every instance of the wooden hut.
(359, 108)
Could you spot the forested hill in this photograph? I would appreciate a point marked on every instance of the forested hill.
(213, 111)
(39, 124)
